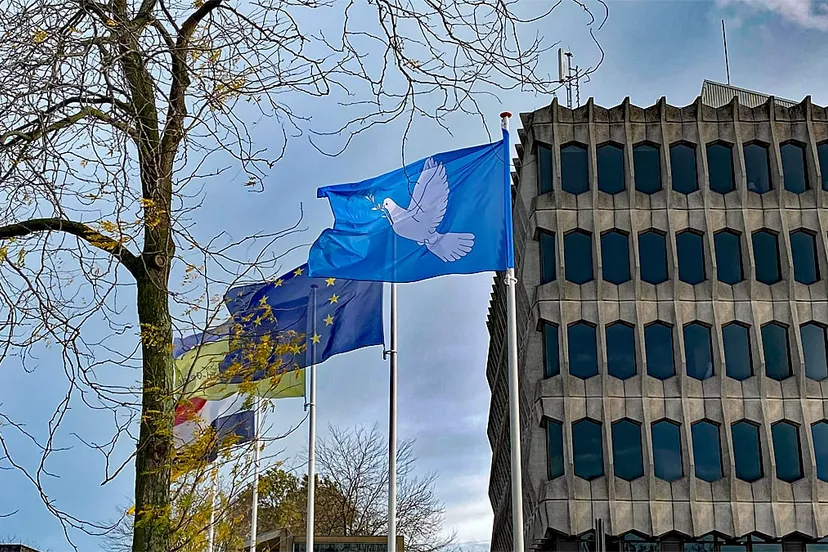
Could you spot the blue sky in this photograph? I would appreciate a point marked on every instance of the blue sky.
(652, 49)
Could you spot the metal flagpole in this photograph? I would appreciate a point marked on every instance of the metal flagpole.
(312, 432)
(392, 429)
(211, 531)
(514, 397)
(254, 512)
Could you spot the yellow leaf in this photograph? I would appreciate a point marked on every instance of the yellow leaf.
(40, 36)
(131, 511)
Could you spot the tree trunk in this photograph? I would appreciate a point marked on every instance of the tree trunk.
(155, 443)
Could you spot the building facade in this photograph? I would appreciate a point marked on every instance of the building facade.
(672, 309)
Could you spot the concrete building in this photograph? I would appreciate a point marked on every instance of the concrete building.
(672, 312)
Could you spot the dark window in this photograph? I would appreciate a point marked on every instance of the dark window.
(667, 450)
(620, 350)
(547, 256)
(652, 249)
(737, 351)
(554, 445)
(635, 543)
(793, 167)
(822, 154)
(658, 342)
(698, 351)
(746, 454)
(757, 168)
(690, 257)
(578, 256)
(647, 168)
(766, 254)
(626, 449)
(683, 168)
(551, 358)
(615, 256)
(728, 257)
(813, 347)
(819, 431)
(786, 451)
(544, 169)
(707, 450)
(587, 452)
(777, 351)
(720, 168)
(583, 356)
(574, 173)
(610, 168)
(803, 248)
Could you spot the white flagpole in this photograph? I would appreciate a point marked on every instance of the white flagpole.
(254, 512)
(211, 531)
(514, 395)
(392, 429)
(309, 531)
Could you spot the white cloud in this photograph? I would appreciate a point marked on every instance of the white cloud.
(810, 14)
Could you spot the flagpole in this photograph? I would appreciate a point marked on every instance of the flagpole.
(392, 428)
(211, 531)
(514, 393)
(309, 531)
(254, 512)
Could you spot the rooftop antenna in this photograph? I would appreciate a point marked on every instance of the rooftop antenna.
(566, 76)
(727, 62)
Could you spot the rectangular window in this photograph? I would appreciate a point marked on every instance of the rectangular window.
(544, 169)
(547, 256)
(551, 357)
(554, 440)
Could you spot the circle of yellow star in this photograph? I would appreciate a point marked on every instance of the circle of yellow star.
(316, 338)
(298, 271)
(334, 298)
(328, 320)
(330, 281)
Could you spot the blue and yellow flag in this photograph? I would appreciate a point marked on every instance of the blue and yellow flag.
(208, 366)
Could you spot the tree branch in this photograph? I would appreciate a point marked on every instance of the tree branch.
(80, 230)
(180, 76)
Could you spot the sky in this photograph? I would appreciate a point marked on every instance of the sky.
(652, 49)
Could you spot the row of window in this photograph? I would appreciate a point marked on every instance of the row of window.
(647, 164)
(635, 542)
(698, 350)
(652, 250)
(628, 462)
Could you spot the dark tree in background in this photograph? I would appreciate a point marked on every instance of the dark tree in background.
(114, 115)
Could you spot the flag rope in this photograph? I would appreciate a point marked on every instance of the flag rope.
(392, 428)
(309, 531)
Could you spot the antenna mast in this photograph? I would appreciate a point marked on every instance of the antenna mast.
(727, 62)
(568, 76)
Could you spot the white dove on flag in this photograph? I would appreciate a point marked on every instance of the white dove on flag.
(424, 214)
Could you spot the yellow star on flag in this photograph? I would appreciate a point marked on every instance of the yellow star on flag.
(334, 298)
(330, 281)
(316, 338)
(298, 271)
(328, 320)
(279, 282)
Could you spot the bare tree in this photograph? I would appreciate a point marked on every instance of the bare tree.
(355, 460)
(115, 115)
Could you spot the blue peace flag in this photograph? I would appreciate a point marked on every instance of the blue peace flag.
(448, 214)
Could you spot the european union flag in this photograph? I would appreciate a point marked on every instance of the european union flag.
(277, 318)
(448, 214)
